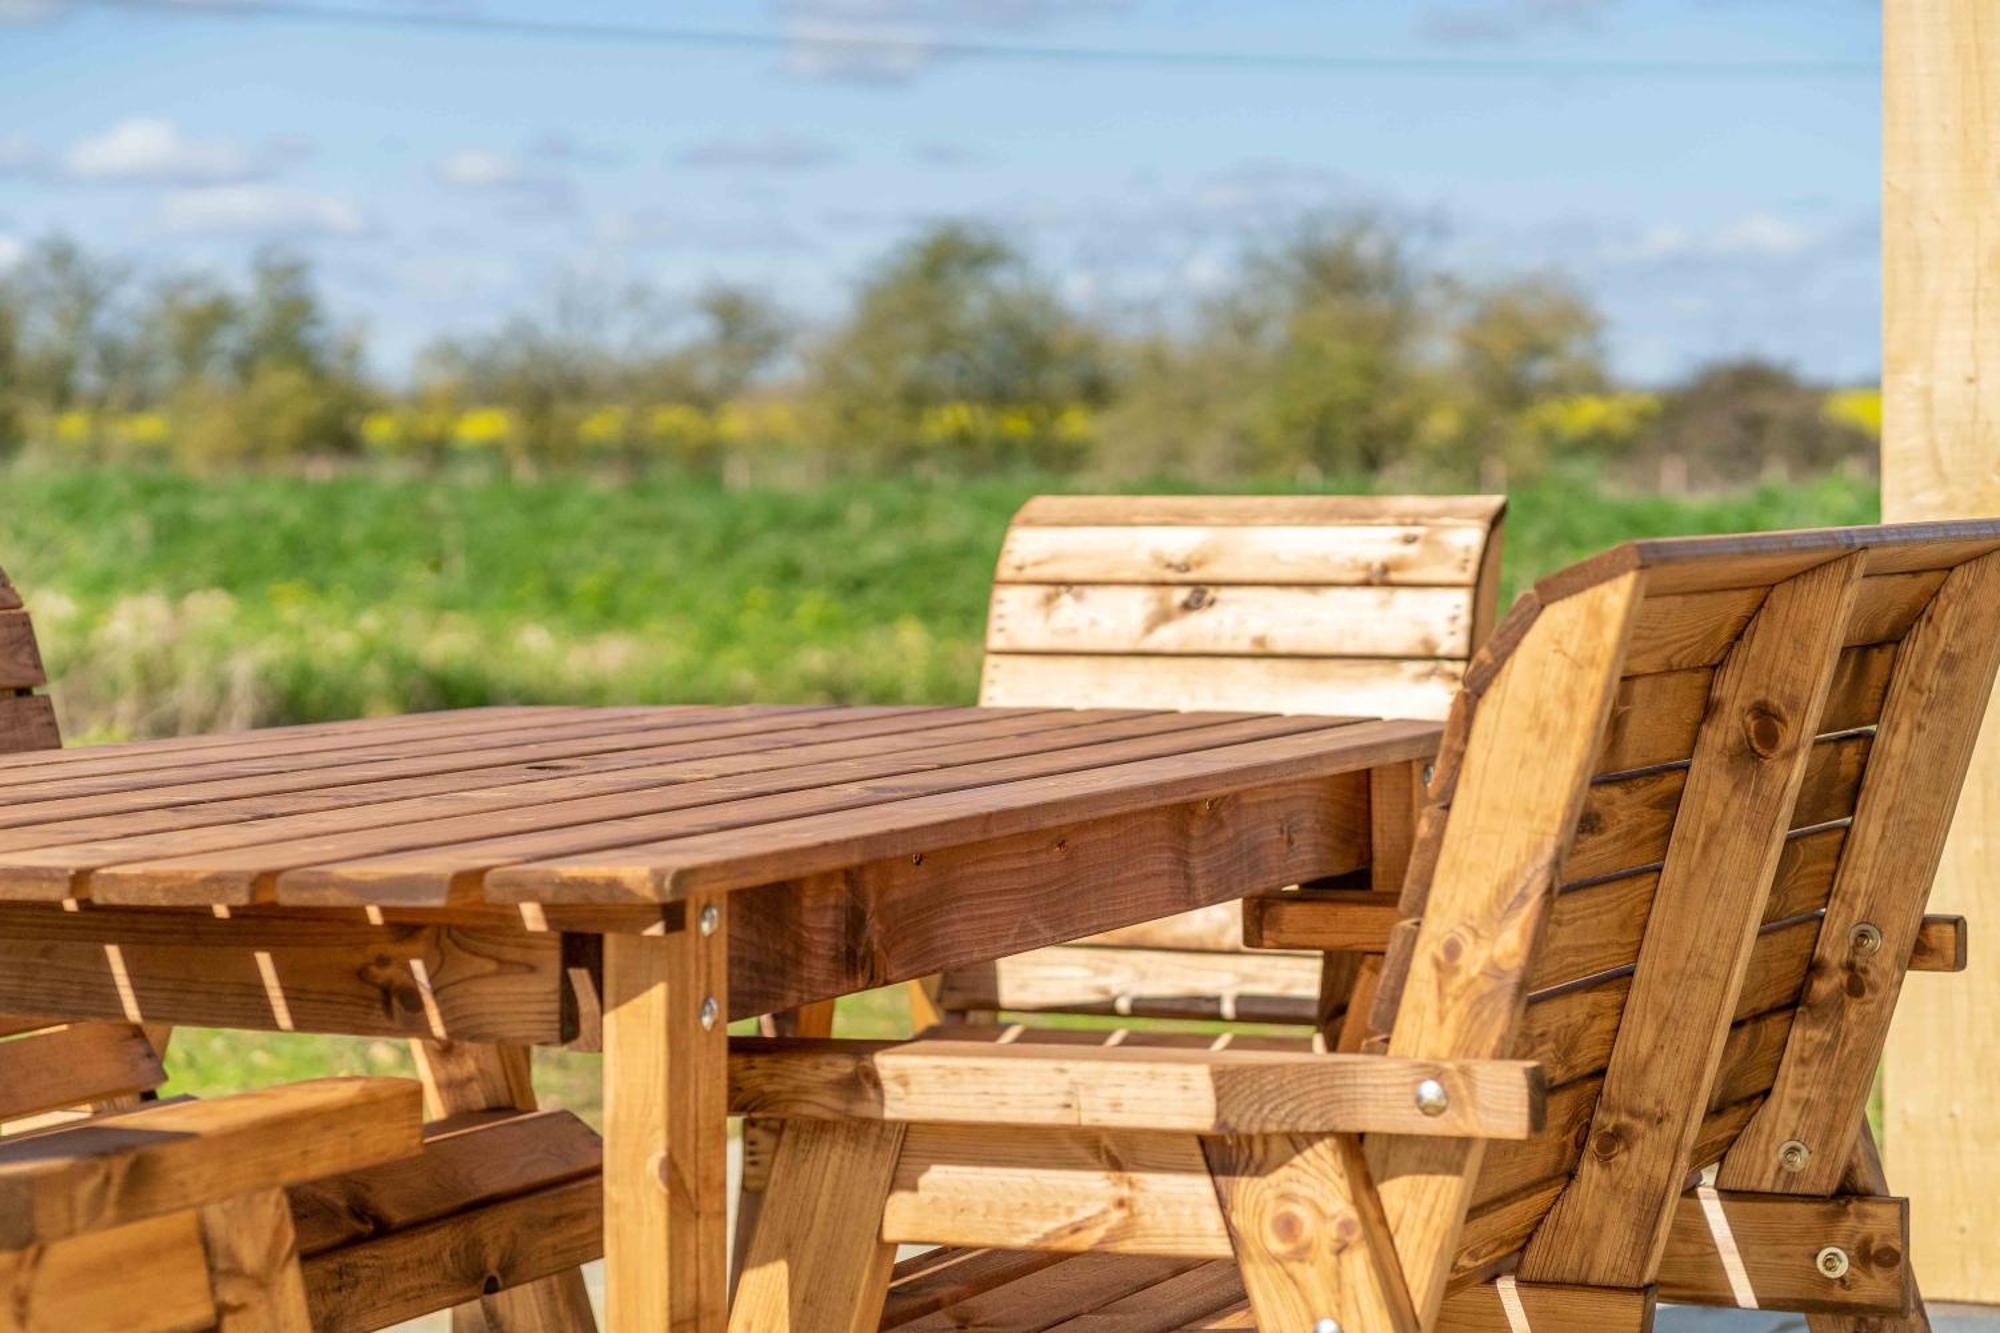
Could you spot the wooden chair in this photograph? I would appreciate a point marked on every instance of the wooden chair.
(1368, 605)
(1674, 862)
(494, 1216)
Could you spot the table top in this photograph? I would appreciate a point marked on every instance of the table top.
(567, 806)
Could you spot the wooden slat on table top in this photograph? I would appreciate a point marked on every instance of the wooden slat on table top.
(421, 866)
(235, 856)
(659, 798)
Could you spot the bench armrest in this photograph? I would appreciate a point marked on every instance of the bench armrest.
(1122, 1087)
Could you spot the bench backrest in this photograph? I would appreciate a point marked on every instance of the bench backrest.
(1677, 849)
(1338, 604)
(45, 1067)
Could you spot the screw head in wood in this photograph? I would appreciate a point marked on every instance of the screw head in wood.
(710, 1011)
(1831, 1262)
(1327, 1326)
(1865, 938)
(1793, 1155)
(1430, 771)
(711, 919)
(1432, 1099)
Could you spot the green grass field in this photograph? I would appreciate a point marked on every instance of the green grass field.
(168, 604)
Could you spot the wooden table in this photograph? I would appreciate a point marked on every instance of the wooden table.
(508, 875)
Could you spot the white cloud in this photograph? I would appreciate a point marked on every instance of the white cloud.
(775, 151)
(262, 210)
(893, 41)
(12, 248)
(528, 181)
(1752, 236)
(155, 151)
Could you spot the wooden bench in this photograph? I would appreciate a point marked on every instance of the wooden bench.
(1358, 605)
(1672, 867)
(504, 1200)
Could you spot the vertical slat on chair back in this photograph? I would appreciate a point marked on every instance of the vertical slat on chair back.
(1356, 605)
(1789, 721)
(1363, 605)
(45, 1067)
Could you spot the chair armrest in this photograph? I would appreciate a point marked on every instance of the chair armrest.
(172, 1157)
(1339, 919)
(1123, 1087)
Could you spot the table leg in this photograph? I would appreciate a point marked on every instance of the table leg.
(460, 1076)
(666, 1137)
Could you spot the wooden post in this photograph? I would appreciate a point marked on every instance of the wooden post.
(1941, 458)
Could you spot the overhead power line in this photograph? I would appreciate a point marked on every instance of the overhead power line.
(883, 43)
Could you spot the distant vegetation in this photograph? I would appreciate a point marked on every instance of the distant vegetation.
(1333, 354)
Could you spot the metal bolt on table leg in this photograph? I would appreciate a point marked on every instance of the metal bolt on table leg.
(1432, 1099)
(711, 919)
(1831, 1262)
(1865, 938)
(710, 1011)
(1793, 1155)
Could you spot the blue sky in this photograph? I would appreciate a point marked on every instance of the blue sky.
(443, 178)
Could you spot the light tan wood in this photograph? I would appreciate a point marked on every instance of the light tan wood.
(1940, 101)
(1943, 679)
(1310, 1238)
(253, 1265)
(1066, 1190)
(1749, 764)
(1159, 982)
(1385, 687)
(1127, 1087)
(817, 1263)
(464, 1077)
(666, 1125)
(1322, 622)
(1349, 554)
(1514, 807)
(175, 1156)
(1337, 919)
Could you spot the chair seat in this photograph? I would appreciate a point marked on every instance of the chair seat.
(1028, 1291)
(1010, 1033)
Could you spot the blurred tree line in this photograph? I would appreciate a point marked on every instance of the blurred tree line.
(1331, 354)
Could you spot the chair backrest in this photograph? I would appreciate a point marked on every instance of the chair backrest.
(1677, 849)
(1366, 605)
(1338, 604)
(27, 720)
(46, 1067)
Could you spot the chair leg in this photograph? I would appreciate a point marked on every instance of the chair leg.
(1864, 1175)
(460, 1076)
(817, 1262)
(253, 1265)
(1309, 1233)
(760, 1137)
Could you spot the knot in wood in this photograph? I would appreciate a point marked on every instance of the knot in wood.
(1196, 599)
(1606, 1144)
(1765, 729)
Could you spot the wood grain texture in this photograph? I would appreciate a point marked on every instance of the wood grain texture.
(253, 1265)
(170, 1157)
(1514, 806)
(666, 1127)
(1940, 261)
(1358, 554)
(1943, 679)
(1748, 767)
(1365, 687)
(1127, 1087)
(20, 659)
(297, 975)
(75, 1064)
(1776, 1240)
(817, 1263)
(60, 1288)
(1311, 1241)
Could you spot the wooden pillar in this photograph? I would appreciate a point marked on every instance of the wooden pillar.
(1941, 459)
